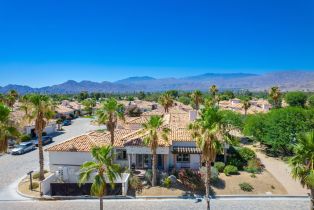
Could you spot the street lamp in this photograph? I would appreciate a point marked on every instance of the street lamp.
(30, 180)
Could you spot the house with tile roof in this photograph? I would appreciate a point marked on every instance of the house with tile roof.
(180, 151)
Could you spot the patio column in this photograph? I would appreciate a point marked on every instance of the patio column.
(130, 161)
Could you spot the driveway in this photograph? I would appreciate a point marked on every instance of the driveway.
(15, 167)
(282, 172)
(171, 204)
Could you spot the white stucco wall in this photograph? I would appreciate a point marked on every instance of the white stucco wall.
(195, 161)
(51, 128)
(67, 159)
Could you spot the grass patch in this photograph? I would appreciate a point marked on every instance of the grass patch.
(35, 185)
(36, 175)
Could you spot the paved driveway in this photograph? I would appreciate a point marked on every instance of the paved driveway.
(224, 204)
(15, 167)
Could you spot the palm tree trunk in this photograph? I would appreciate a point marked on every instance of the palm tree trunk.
(154, 181)
(101, 203)
(207, 183)
(41, 156)
(312, 198)
(112, 141)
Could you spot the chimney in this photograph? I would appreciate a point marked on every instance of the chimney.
(192, 115)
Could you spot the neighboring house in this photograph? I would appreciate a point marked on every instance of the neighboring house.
(257, 106)
(28, 127)
(68, 108)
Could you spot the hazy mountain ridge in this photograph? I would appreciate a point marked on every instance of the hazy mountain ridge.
(286, 80)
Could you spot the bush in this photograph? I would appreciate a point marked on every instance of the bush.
(254, 166)
(136, 184)
(246, 153)
(246, 187)
(167, 182)
(25, 138)
(35, 185)
(192, 180)
(231, 170)
(148, 175)
(213, 174)
(219, 166)
(36, 175)
(236, 161)
(253, 176)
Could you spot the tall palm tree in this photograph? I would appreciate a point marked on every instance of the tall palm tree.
(275, 94)
(7, 129)
(303, 161)
(154, 132)
(39, 108)
(166, 100)
(197, 98)
(105, 171)
(108, 114)
(246, 105)
(206, 131)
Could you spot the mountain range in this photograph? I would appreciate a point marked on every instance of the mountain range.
(286, 80)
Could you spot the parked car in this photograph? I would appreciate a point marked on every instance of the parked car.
(23, 148)
(45, 140)
(66, 122)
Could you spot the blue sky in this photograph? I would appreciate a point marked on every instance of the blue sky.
(48, 42)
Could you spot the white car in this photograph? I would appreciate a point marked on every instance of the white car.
(23, 148)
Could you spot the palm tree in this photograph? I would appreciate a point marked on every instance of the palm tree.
(40, 109)
(7, 129)
(206, 131)
(166, 101)
(108, 114)
(303, 161)
(275, 94)
(213, 90)
(105, 170)
(89, 105)
(197, 98)
(11, 98)
(59, 122)
(154, 132)
(246, 105)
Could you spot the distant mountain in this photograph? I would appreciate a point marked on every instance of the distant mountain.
(132, 80)
(286, 80)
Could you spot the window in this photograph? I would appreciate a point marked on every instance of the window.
(121, 154)
(183, 158)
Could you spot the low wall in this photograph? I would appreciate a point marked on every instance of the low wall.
(45, 184)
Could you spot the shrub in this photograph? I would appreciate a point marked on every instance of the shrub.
(192, 180)
(246, 153)
(148, 175)
(219, 166)
(213, 174)
(167, 182)
(230, 170)
(254, 166)
(253, 176)
(25, 138)
(136, 184)
(36, 174)
(246, 187)
(35, 185)
(236, 161)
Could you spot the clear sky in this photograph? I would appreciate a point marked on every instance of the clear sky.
(47, 42)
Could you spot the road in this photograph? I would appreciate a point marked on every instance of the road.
(174, 204)
(15, 167)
